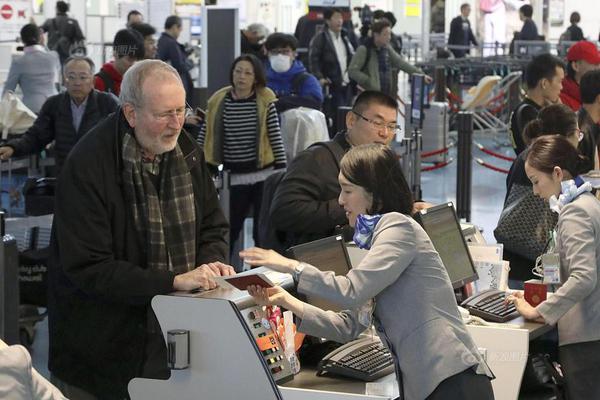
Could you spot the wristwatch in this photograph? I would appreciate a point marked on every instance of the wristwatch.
(297, 271)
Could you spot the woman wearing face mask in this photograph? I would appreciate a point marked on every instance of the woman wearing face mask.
(553, 166)
(287, 77)
(241, 131)
(400, 285)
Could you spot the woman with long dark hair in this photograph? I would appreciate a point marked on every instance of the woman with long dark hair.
(241, 132)
(401, 286)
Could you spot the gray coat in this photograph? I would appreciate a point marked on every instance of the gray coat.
(415, 310)
(576, 304)
(36, 72)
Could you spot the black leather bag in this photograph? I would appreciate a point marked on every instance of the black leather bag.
(525, 223)
(39, 196)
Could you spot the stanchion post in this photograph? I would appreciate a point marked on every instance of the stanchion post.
(440, 83)
(416, 171)
(464, 123)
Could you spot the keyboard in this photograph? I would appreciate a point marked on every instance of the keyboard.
(364, 359)
(490, 306)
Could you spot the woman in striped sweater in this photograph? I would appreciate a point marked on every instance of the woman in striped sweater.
(241, 131)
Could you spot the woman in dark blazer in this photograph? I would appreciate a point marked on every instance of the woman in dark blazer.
(400, 286)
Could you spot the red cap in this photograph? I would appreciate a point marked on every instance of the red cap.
(584, 50)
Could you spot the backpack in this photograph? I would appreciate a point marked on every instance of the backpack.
(70, 42)
(269, 237)
(109, 83)
(293, 100)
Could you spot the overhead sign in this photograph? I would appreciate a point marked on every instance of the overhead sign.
(329, 3)
(13, 15)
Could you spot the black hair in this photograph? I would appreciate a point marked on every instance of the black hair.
(132, 12)
(390, 17)
(375, 168)
(172, 20)
(464, 5)
(369, 97)
(540, 67)
(30, 34)
(144, 29)
(570, 70)
(589, 86)
(62, 7)
(550, 151)
(526, 10)
(378, 14)
(380, 25)
(280, 40)
(328, 13)
(555, 119)
(260, 80)
(575, 17)
(80, 58)
(128, 42)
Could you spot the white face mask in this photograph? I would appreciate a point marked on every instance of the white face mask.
(280, 62)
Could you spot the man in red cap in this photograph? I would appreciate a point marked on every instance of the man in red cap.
(582, 57)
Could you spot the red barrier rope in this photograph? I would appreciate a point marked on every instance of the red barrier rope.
(491, 153)
(437, 166)
(490, 166)
(434, 152)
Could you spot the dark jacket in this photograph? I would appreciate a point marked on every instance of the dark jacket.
(171, 51)
(305, 205)
(461, 35)
(99, 285)
(55, 122)
(529, 31)
(323, 59)
(307, 94)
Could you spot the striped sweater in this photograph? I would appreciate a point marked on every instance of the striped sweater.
(240, 134)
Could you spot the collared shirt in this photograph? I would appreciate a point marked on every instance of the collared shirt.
(342, 54)
(34, 47)
(77, 112)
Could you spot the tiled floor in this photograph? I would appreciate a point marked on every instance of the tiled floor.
(438, 186)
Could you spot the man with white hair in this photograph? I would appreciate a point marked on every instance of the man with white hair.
(136, 216)
(252, 39)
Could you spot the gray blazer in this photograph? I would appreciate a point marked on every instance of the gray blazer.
(576, 304)
(415, 310)
(36, 72)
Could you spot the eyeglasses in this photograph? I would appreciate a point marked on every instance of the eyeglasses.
(179, 114)
(75, 78)
(380, 125)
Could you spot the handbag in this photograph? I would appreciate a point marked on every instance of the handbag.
(525, 223)
(15, 117)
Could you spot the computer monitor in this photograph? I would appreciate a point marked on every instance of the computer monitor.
(442, 226)
(328, 254)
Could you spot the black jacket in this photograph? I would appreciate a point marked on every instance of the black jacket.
(461, 35)
(55, 122)
(323, 62)
(171, 51)
(99, 285)
(305, 205)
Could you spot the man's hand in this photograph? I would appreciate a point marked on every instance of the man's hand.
(202, 277)
(324, 81)
(271, 259)
(428, 79)
(420, 205)
(6, 152)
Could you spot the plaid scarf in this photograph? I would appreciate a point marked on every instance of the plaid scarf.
(166, 224)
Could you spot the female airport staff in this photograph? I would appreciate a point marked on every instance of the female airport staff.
(553, 168)
(401, 286)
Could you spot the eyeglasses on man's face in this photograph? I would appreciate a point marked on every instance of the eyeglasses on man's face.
(379, 124)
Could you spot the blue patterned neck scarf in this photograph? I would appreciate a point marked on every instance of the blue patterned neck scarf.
(363, 231)
(570, 190)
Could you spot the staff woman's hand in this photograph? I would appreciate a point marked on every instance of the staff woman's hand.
(276, 296)
(523, 307)
(256, 256)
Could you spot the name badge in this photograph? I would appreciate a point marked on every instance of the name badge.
(551, 267)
